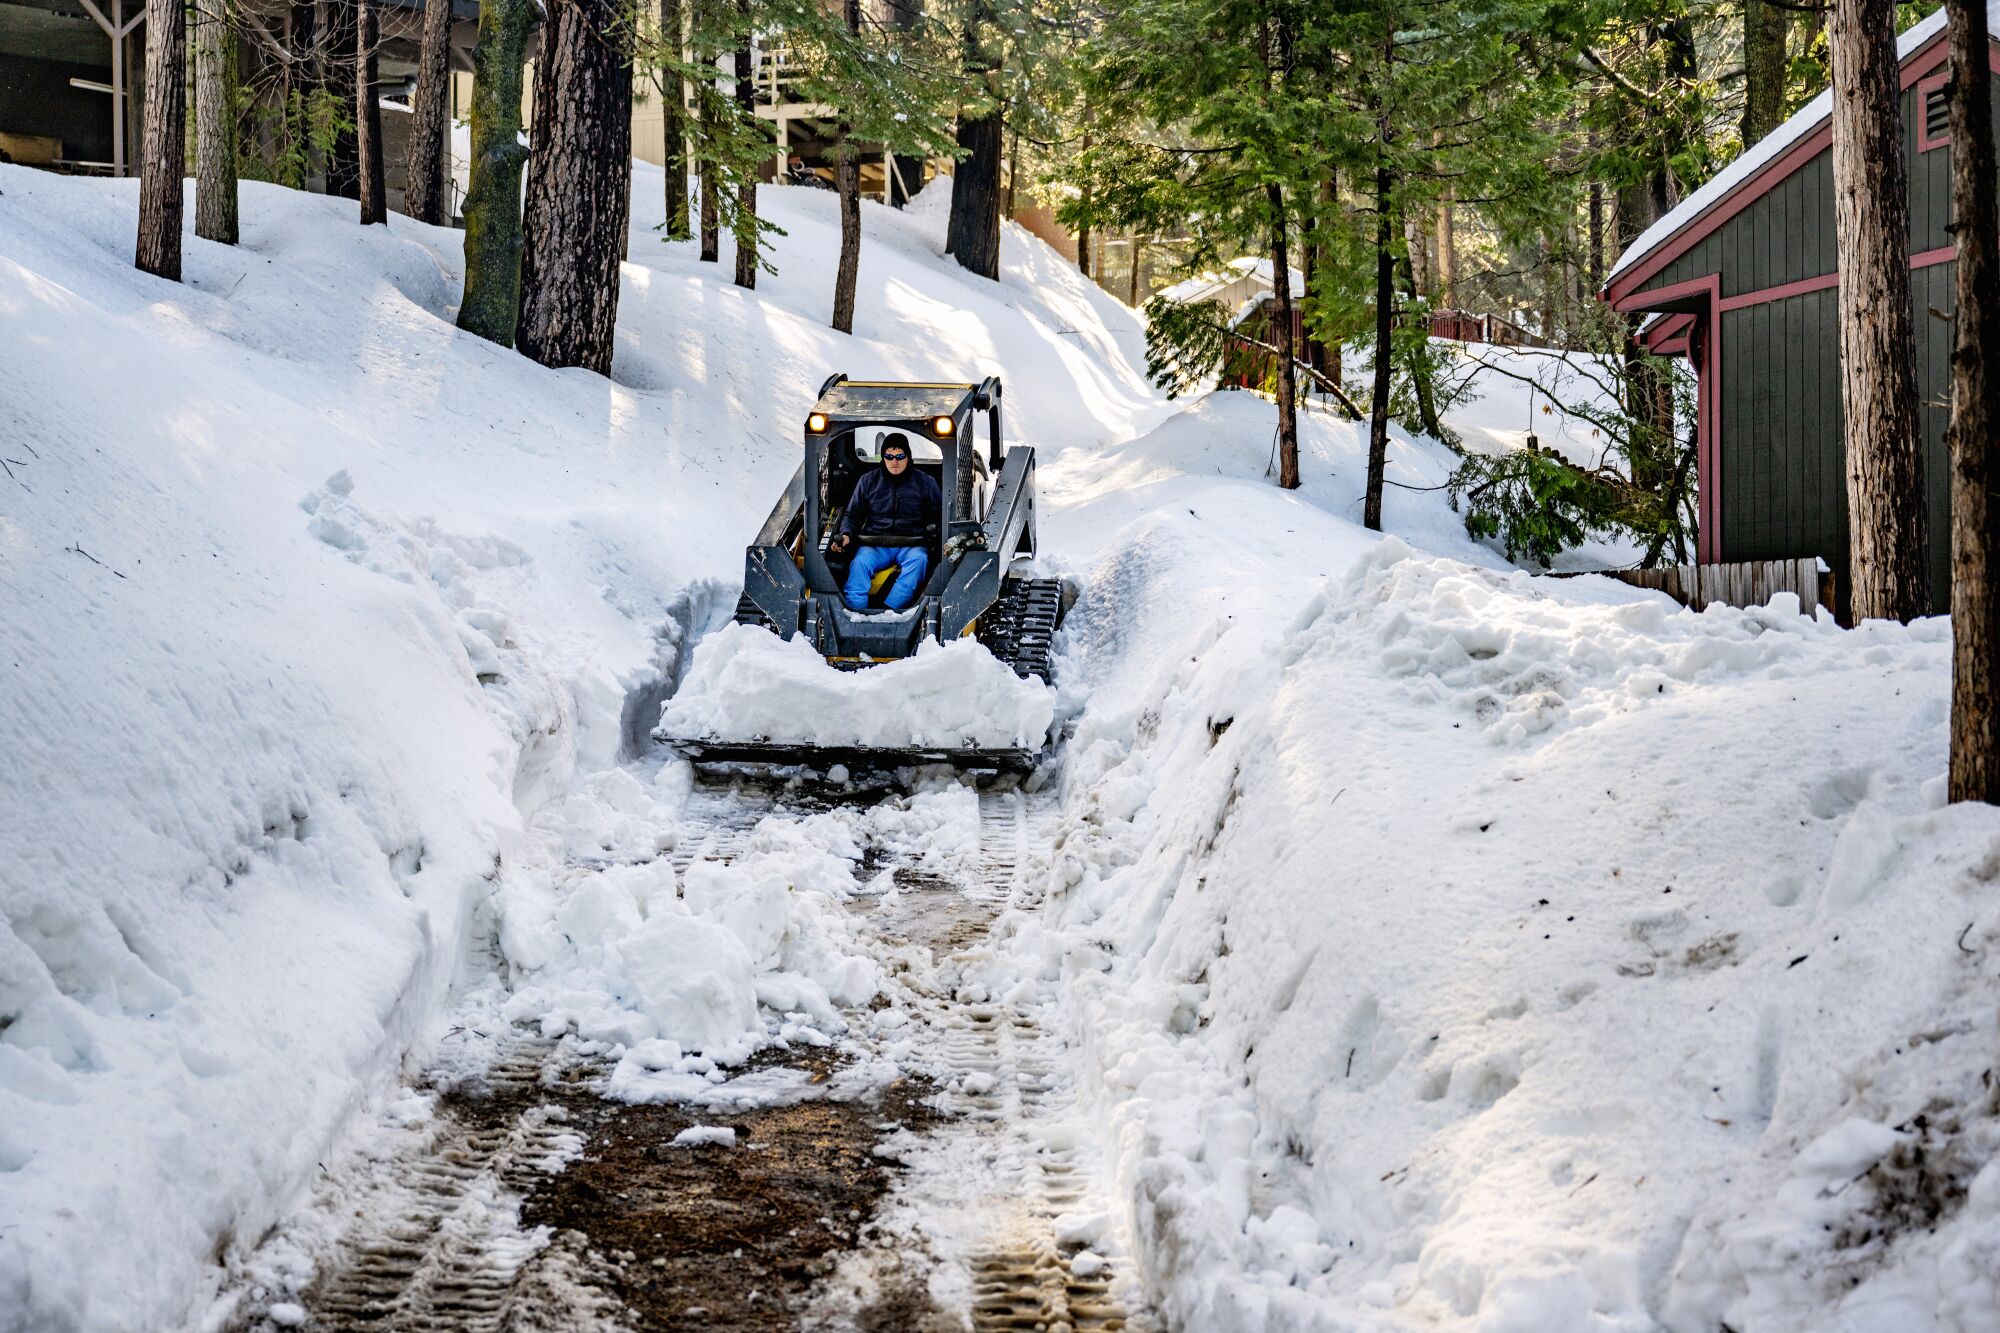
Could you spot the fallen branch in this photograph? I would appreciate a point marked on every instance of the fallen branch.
(78, 550)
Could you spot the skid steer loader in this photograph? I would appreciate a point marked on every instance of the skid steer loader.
(792, 577)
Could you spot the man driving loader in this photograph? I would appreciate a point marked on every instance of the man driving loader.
(890, 515)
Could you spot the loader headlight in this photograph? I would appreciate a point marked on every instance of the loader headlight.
(816, 423)
(940, 426)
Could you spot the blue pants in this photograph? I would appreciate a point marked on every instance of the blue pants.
(911, 562)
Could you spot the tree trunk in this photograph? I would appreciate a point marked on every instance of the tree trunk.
(1764, 28)
(673, 117)
(1421, 385)
(1311, 350)
(972, 234)
(1013, 166)
(579, 186)
(1418, 248)
(343, 164)
(425, 196)
(300, 77)
(847, 178)
(746, 186)
(711, 216)
(1682, 66)
(1385, 299)
(215, 123)
(1132, 278)
(1281, 338)
(368, 116)
(1447, 269)
(1318, 261)
(1975, 418)
(1596, 235)
(492, 304)
(1885, 481)
(163, 154)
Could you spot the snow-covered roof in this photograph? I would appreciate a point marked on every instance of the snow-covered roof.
(1203, 285)
(1768, 149)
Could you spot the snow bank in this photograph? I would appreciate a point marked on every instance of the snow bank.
(1505, 953)
(745, 683)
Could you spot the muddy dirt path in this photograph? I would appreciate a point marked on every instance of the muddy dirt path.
(962, 1194)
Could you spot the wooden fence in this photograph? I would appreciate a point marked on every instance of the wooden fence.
(1744, 583)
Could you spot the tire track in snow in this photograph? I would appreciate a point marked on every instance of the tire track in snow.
(1039, 1191)
(437, 1245)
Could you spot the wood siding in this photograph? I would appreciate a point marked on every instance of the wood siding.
(1786, 235)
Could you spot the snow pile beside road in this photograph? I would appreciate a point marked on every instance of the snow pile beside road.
(746, 684)
(1517, 954)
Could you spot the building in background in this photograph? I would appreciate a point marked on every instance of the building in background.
(1743, 281)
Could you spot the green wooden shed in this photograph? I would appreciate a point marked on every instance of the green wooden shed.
(1743, 281)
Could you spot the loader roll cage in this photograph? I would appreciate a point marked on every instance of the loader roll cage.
(985, 522)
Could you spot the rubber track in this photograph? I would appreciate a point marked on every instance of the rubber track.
(1020, 627)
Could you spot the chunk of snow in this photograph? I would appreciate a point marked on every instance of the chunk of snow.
(745, 683)
(695, 1136)
(694, 981)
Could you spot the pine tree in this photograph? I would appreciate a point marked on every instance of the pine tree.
(579, 186)
(1765, 69)
(847, 175)
(163, 152)
(1885, 485)
(890, 85)
(491, 306)
(372, 187)
(424, 195)
(972, 231)
(215, 88)
(339, 36)
(1236, 98)
(746, 180)
(1975, 417)
(674, 119)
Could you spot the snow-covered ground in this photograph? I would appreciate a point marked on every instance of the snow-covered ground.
(1442, 946)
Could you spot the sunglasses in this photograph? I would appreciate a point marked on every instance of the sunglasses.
(895, 458)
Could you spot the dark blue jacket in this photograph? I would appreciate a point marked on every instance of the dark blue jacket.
(883, 505)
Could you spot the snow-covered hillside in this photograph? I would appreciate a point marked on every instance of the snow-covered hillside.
(1447, 947)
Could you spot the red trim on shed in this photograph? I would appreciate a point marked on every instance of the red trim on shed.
(1768, 294)
(1924, 90)
(1703, 341)
(1665, 331)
